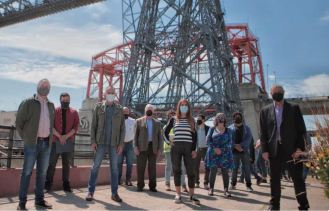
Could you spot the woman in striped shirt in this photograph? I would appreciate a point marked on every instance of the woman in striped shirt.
(183, 146)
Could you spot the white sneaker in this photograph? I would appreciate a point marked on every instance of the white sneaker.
(249, 189)
(193, 199)
(178, 199)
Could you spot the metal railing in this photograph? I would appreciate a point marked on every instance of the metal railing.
(11, 152)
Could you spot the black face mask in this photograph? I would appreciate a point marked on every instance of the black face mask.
(220, 121)
(149, 113)
(199, 122)
(126, 116)
(278, 97)
(237, 120)
(65, 105)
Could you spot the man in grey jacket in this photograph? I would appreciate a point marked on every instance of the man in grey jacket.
(34, 123)
(107, 132)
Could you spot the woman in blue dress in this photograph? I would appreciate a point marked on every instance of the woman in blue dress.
(219, 154)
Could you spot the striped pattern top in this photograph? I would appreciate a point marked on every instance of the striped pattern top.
(182, 132)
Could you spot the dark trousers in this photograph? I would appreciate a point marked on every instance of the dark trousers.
(245, 160)
(142, 158)
(52, 167)
(212, 177)
(200, 156)
(178, 151)
(296, 170)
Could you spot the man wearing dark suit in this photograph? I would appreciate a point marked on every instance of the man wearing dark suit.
(202, 147)
(148, 146)
(282, 138)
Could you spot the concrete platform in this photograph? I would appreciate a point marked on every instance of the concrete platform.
(163, 200)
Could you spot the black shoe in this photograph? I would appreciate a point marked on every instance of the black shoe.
(43, 204)
(271, 208)
(264, 181)
(68, 189)
(303, 209)
(240, 181)
(46, 189)
(116, 198)
(90, 197)
(259, 180)
(21, 206)
(139, 189)
(285, 177)
(153, 190)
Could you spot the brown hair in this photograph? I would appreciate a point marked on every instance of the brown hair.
(171, 111)
(217, 117)
(189, 116)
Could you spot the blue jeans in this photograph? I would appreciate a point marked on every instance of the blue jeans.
(128, 152)
(40, 154)
(98, 158)
(245, 160)
(252, 171)
(260, 162)
(169, 167)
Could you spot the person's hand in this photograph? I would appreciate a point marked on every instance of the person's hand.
(172, 143)
(297, 153)
(94, 146)
(159, 153)
(62, 139)
(265, 155)
(217, 151)
(119, 149)
(136, 151)
(193, 154)
(238, 147)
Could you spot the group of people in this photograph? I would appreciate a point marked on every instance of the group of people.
(47, 130)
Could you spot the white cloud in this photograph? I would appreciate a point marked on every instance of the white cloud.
(317, 85)
(271, 77)
(96, 10)
(325, 18)
(59, 74)
(59, 39)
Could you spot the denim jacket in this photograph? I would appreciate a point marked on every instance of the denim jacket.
(246, 138)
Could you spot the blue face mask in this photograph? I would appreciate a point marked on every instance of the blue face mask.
(183, 109)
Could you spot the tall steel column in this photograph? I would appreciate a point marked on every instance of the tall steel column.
(173, 41)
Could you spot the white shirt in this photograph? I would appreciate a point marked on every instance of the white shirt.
(129, 129)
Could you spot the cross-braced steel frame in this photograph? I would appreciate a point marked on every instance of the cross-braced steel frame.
(171, 39)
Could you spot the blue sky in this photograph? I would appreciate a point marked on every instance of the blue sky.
(293, 39)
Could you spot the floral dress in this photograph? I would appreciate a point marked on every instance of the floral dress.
(224, 143)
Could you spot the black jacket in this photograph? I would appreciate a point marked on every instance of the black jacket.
(252, 150)
(292, 129)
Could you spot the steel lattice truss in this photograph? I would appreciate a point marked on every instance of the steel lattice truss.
(172, 39)
(17, 11)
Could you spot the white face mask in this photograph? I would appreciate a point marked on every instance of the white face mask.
(110, 97)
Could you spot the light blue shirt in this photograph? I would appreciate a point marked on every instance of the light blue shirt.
(202, 138)
(150, 128)
(278, 116)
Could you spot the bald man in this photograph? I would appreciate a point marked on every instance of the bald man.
(34, 123)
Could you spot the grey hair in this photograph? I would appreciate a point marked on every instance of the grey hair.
(43, 80)
(276, 86)
(149, 105)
